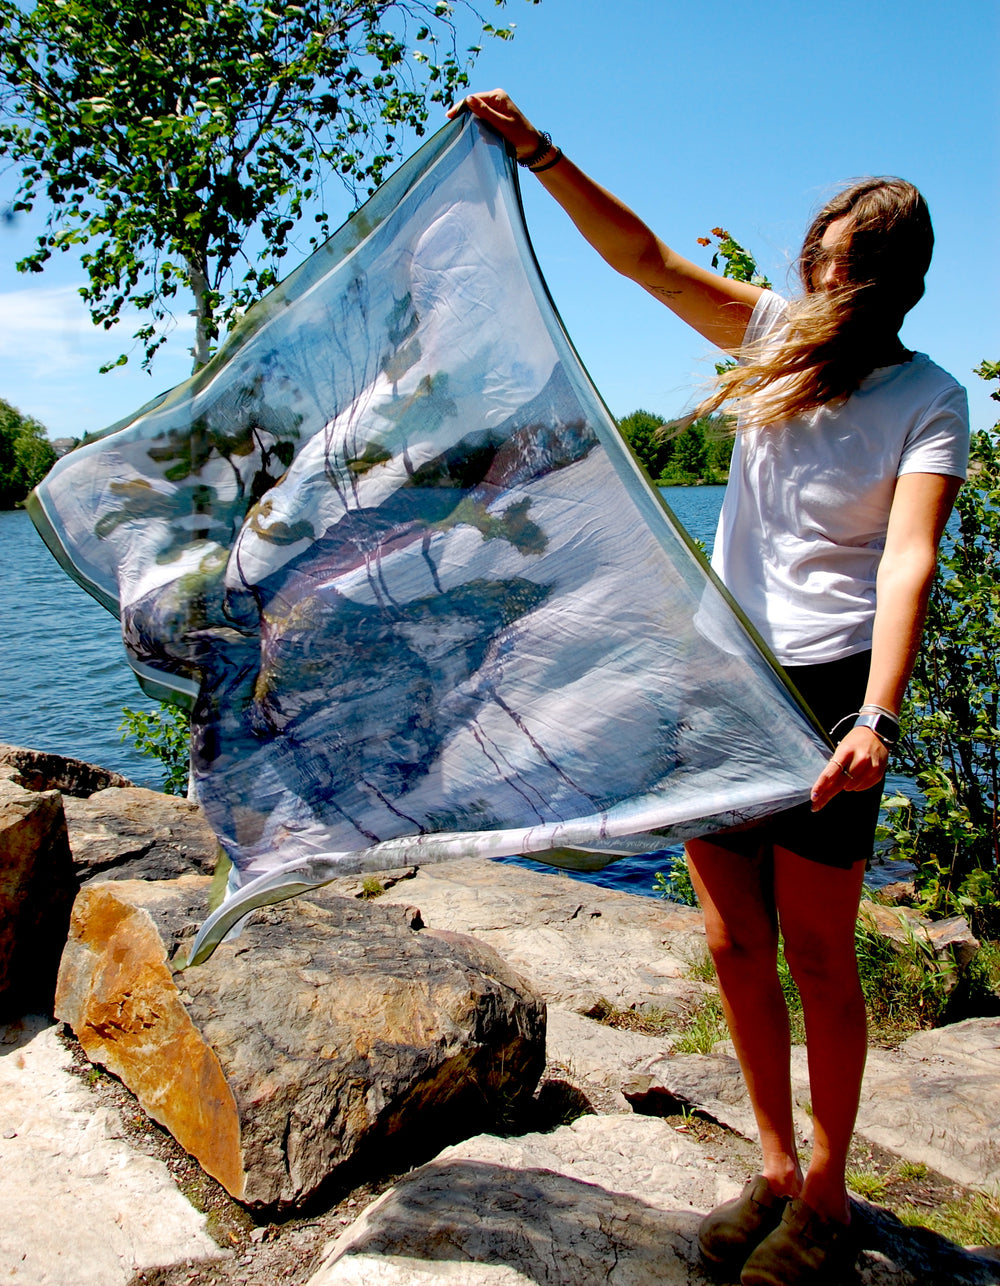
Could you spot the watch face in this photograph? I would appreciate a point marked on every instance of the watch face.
(884, 727)
(887, 729)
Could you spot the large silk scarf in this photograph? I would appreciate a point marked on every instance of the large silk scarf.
(391, 550)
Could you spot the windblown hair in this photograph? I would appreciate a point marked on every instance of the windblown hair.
(836, 336)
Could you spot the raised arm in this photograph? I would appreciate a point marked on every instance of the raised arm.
(717, 307)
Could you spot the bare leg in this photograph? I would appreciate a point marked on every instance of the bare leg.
(742, 930)
(817, 911)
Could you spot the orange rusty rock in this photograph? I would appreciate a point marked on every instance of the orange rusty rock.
(117, 992)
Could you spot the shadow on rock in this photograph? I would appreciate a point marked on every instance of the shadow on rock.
(509, 1224)
(546, 1227)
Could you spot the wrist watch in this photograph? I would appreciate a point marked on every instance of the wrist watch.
(884, 726)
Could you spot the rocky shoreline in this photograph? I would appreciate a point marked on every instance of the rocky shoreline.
(420, 1089)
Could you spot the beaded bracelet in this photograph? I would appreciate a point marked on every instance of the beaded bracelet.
(545, 143)
(540, 169)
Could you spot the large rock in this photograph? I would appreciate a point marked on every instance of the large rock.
(117, 831)
(607, 1199)
(578, 943)
(39, 770)
(330, 1031)
(81, 1207)
(950, 940)
(927, 1100)
(130, 833)
(36, 891)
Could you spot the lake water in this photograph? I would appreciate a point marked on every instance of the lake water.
(63, 674)
(64, 678)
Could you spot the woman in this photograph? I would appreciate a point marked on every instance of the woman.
(848, 458)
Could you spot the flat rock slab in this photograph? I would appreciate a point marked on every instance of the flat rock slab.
(607, 1199)
(330, 1032)
(80, 1206)
(130, 833)
(710, 1083)
(610, 1198)
(926, 1100)
(578, 943)
(598, 1057)
(930, 1098)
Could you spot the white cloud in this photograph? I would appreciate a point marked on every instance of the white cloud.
(51, 354)
(34, 322)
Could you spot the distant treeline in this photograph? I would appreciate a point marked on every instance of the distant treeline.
(26, 455)
(698, 455)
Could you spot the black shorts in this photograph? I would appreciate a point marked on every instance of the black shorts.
(843, 832)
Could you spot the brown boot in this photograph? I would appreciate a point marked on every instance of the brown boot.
(804, 1250)
(730, 1232)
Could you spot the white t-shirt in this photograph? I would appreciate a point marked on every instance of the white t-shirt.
(804, 517)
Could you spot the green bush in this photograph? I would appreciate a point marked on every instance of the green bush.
(675, 884)
(643, 431)
(951, 743)
(162, 734)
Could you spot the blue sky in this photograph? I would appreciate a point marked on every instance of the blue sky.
(746, 115)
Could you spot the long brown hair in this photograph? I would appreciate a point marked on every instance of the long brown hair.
(837, 335)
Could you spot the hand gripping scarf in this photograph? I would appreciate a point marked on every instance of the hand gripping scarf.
(391, 550)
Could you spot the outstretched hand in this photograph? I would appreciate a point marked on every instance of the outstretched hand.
(498, 109)
(858, 763)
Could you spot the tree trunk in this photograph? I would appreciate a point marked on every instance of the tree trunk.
(198, 282)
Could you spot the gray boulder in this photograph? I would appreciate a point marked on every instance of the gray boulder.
(117, 831)
(926, 1100)
(330, 1034)
(39, 770)
(130, 833)
(951, 939)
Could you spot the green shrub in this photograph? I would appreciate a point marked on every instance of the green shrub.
(675, 884)
(951, 743)
(162, 734)
(867, 1183)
